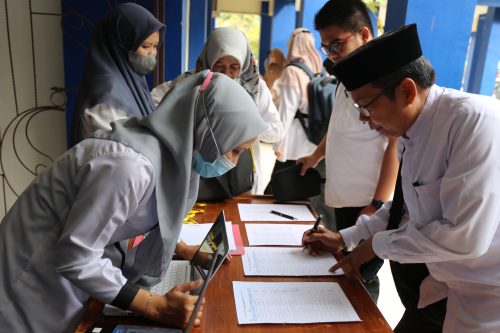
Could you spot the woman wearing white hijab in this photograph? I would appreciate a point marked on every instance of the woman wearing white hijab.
(293, 96)
(59, 241)
(227, 51)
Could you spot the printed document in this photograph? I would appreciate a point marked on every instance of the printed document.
(286, 261)
(193, 234)
(276, 234)
(291, 302)
(262, 212)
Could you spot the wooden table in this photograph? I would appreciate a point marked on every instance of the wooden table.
(219, 315)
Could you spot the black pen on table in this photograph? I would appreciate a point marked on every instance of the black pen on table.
(283, 215)
(313, 230)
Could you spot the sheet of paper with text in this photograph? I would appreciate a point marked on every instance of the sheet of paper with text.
(262, 212)
(276, 234)
(286, 261)
(291, 302)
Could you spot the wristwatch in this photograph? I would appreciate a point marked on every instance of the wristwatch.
(377, 203)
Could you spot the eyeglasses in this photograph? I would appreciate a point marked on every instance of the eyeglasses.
(336, 46)
(363, 109)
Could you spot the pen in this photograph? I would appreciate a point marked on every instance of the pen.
(313, 230)
(283, 215)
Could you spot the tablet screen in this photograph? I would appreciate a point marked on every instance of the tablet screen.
(214, 247)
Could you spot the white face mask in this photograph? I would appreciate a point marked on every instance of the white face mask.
(142, 65)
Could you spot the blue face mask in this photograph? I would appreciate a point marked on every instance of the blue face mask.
(215, 169)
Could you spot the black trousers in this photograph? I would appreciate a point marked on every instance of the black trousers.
(408, 278)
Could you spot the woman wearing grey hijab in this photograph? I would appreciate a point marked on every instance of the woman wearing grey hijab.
(59, 241)
(227, 51)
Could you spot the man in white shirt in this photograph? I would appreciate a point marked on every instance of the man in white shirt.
(361, 164)
(446, 209)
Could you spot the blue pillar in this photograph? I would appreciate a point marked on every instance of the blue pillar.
(486, 54)
(266, 24)
(175, 38)
(374, 19)
(275, 30)
(470, 61)
(308, 10)
(198, 24)
(210, 20)
(283, 23)
(444, 29)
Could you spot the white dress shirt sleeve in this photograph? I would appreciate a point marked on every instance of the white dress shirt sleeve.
(468, 195)
(99, 116)
(365, 227)
(268, 112)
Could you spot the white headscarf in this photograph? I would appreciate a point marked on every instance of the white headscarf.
(188, 120)
(301, 48)
(232, 42)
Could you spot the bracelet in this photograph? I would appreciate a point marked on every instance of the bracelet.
(150, 297)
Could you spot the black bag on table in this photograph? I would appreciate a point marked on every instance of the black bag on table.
(287, 183)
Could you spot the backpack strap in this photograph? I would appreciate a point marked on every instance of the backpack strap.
(299, 115)
(304, 67)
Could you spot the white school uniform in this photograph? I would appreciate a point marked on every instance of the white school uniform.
(48, 275)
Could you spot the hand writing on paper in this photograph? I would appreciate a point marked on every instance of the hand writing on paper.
(176, 306)
(351, 263)
(323, 240)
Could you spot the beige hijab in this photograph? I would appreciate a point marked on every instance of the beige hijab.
(301, 48)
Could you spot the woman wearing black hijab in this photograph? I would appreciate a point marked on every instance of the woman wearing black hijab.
(122, 51)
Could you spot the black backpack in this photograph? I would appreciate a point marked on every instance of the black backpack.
(321, 92)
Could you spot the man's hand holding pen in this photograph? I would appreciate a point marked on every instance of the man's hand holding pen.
(323, 240)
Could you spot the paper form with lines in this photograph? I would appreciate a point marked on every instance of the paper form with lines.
(286, 261)
(291, 302)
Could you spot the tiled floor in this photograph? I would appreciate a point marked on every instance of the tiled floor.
(388, 302)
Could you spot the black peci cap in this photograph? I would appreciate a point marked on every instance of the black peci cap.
(379, 57)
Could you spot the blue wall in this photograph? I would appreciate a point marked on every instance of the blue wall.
(444, 28)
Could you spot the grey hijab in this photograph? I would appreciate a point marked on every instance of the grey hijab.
(228, 41)
(188, 120)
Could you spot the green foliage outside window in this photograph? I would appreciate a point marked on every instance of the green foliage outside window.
(248, 23)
